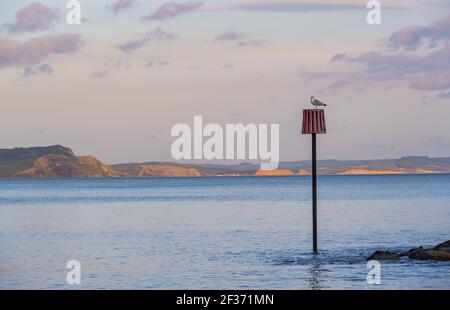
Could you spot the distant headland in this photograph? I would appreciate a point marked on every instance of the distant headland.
(61, 162)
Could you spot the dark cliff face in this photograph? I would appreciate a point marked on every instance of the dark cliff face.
(13, 161)
(24, 153)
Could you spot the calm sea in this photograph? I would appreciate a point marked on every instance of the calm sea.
(221, 233)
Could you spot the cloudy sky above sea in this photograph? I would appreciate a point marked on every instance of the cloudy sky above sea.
(114, 86)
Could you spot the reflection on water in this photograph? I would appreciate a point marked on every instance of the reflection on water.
(315, 274)
(221, 233)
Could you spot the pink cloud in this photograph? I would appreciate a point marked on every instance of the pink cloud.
(427, 71)
(173, 9)
(33, 51)
(422, 72)
(121, 5)
(412, 37)
(34, 17)
(432, 81)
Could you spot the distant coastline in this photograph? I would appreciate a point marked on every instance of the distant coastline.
(61, 162)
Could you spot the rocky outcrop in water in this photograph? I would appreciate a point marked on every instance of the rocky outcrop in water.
(444, 246)
(383, 255)
(440, 252)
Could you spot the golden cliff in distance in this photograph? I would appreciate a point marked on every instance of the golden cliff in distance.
(61, 162)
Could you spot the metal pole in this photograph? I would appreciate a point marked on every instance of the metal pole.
(314, 191)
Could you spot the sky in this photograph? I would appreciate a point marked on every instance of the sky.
(114, 85)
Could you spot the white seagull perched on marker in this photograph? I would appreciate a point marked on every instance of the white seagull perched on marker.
(317, 103)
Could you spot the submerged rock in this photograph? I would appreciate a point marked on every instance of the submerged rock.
(383, 255)
(431, 254)
(411, 251)
(444, 246)
(440, 252)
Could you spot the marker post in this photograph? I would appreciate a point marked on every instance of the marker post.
(313, 124)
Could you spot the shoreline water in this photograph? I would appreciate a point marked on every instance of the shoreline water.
(222, 176)
(222, 233)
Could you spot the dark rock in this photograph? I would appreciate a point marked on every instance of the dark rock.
(383, 255)
(420, 254)
(411, 251)
(440, 252)
(430, 254)
(444, 246)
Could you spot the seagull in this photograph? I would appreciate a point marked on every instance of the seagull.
(317, 103)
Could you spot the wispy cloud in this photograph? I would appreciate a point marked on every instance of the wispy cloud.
(412, 37)
(435, 80)
(157, 64)
(173, 9)
(44, 69)
(131, 46)
(444, 95)
(33, 51)
(229, 35)
(253, 42)
(338, 57)
(420, 65)
(121, 5)
(241, 39)
(109, 68)
(156, 35)
(34, 17)
(100, 73)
